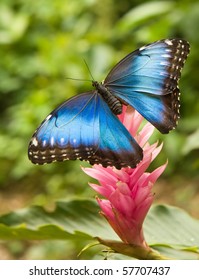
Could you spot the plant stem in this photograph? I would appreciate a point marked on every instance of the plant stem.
(135, 251)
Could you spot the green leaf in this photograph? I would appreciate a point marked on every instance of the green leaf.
(13, 26)
(171, 226)
(169, 230)
(142, 13)
(172, 232)
(70, 219)
(192, 142)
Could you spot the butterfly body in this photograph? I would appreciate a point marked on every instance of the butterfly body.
(86, 126)
(114, 104)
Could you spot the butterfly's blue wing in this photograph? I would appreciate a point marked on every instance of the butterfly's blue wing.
(84, 128)
(147, 79)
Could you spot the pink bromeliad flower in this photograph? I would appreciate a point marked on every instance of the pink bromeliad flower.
(128, 191)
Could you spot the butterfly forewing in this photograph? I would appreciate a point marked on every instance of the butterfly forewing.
(147, 79)
(67, 133)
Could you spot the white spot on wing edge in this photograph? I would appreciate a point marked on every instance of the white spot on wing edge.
(48, 117)
(168, 42)
(34, 142)
(142, 48)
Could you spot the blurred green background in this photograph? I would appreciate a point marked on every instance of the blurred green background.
(44, 42)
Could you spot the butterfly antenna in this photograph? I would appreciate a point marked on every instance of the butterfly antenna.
(89, 70)
(83, 80)
(76, 79)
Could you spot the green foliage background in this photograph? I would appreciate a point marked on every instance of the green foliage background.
(44, 42)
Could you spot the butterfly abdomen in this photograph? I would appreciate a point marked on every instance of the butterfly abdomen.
(114, 103)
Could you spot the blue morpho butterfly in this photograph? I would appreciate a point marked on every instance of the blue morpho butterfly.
(86, 127)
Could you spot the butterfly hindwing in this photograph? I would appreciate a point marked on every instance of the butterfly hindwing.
(84, 128)
(147, 79)
(117, 147)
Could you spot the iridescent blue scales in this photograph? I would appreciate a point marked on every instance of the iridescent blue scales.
(86, 126)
